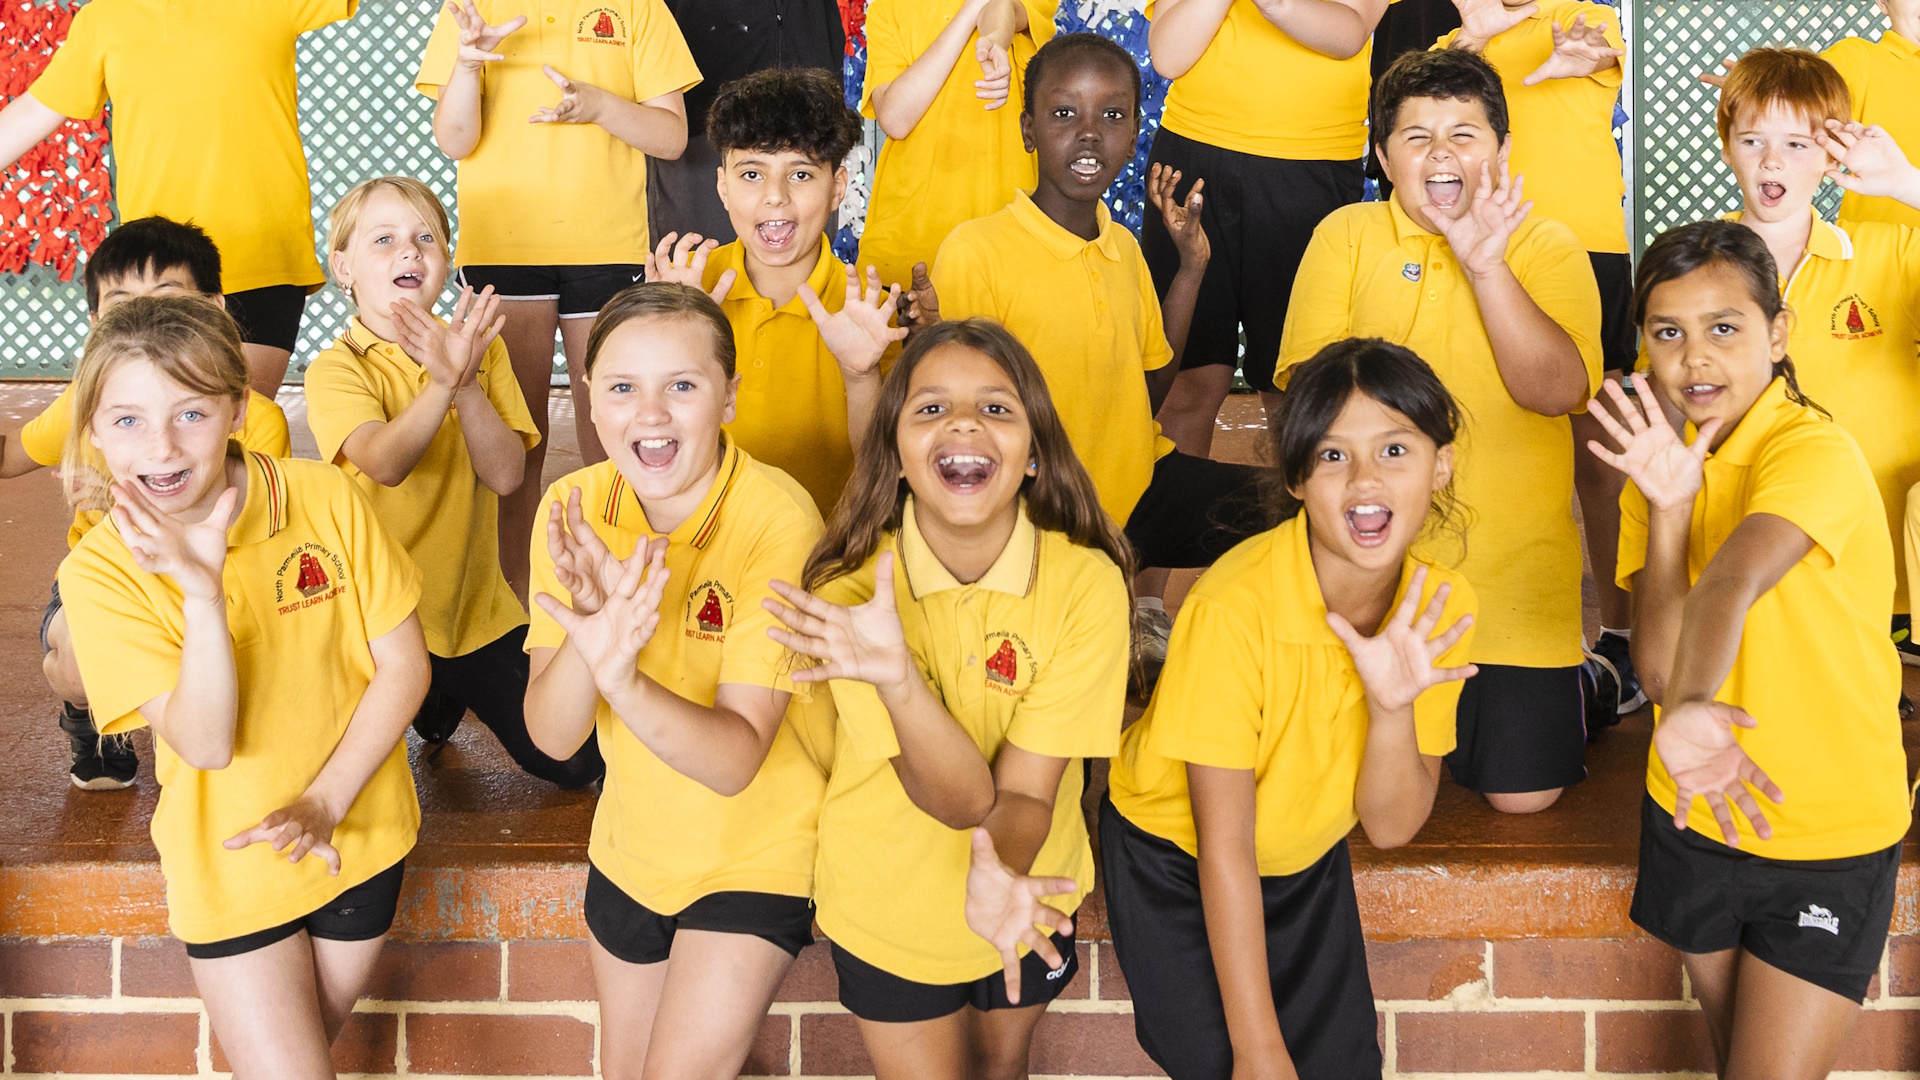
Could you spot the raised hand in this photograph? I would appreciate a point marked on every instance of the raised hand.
(1004, 908)
(683, 260)
(996, 73)
(193, 555)
(610, 638)
(919, 307)
(1718, 78)
(1397, 664)
(1483, 20)
(1183, 220)
(1874, 163)
(1696, 744)
(864, 643)
(1479, 236)
(1578, 51)
(580, 102)
(479, 41)
(451, 351)
(582, 562)
(859, 334)
(304, 827)
(1667, 471)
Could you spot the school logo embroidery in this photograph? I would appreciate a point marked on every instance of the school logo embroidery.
(1820, 919)
(709, 611)
(309, 575)
(1009, 664)
(1411, 271)
(1853, 319)
(601, 26)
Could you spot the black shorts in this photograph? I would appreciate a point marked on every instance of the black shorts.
(1194, 511)
(1824, 921)
(46, 617)
(492, 681)
(1316, 958)
(581, 290)
(885, 998)
(362, 913)
(1259, 214)
(639, 935)
(269, 316)
(1619, 342)
(1520, 729)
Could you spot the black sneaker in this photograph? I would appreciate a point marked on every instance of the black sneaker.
(1619, 653)
(1600, 687)
(1903, 640)
(98, 764)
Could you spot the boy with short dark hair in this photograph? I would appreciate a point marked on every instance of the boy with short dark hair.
(144, 257)
(809, 337)
(1504, 307)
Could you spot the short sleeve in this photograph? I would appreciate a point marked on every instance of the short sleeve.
(339, 400)
(1631, 557)
(1554, 270)
(1445, 40)
(45, 436)
(74, 83)
(1156, 352)
(963, 278)
(503, 390)
(388, 581)
(436, 60)
(748, 656)
(662, 63)
(864, 728)
(128, 651)
(1818, 481)
(314, 14)
(265, 429)
(1435, 710)
(1041, 19)
(1075, 704)
(542, 631)
(1319, 310)
(1210, 705)
(887, 54)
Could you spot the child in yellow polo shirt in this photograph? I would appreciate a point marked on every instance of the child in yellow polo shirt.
(551, 110)
(1269, 104)
(1854, 286)
(224, 72)
(426, 418)
(253, 613)
(1071, 284)
(149, 256)
(1504, 306)
(940, 75)
(1559, 63)
(1883, 79)
(973, 623)
(1280, 723)
(1761, 579)
(808, 335)
(649, 636)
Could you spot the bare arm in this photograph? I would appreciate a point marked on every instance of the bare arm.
(939, 765)
(1397, 782)
(1762, 548)
(456, 111)
(1538, 361)
(657, 127)
(13, 457)
(1659, 598)
(1176, 310)
(900, 104)
(562, 702)
(721, 746)
(1335, 28)
(499, 455)
(197, 717)
(1025, 788)
(23, 124)
(389, 451)
(1235, 914)
(1181, 31)
(451, 354)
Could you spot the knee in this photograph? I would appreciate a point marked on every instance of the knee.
(1523, 802)
(63, 674)
(1001, 1063)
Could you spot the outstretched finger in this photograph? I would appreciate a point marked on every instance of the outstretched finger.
(1342, 629)
(329, 855)
(1430, 615)
(883, 583)
(1758, 779)
(1194, 198)
(568, 620)
(1723, 814)
(1439, 646)
(1403, 615)
(250, 836)
(1750, 809)
(816, 310)
(722, 286)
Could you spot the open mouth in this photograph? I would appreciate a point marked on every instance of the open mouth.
(1368, 524)
(1086, 168)
(409, 280)
(1772, 192)
(165, 485)
(656, 453)
(777, 235)
(1702, 394)
(965, 474)
(1444, 190)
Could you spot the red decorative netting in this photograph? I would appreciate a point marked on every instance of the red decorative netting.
(56, 201)
(853, 16)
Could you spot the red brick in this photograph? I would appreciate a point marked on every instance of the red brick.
(493, 1045)
(155, 967)
(1098, 1044)
(811, 978)
(1113, 981)
(1491, 1042)
(770, 1048)
(549, 971)
(1903, 966)
(1423, 970)
(1653, 1041)
(830, 1045)
(368, 1044)
(153, 1043)
(1637, 970)
(1882, 1039)
(54, 968)
(436, 971)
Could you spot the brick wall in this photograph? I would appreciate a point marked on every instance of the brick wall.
(120, 1006)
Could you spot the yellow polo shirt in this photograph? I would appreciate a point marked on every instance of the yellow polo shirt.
(1258, 91)
(1563, 128)
(558, 194)
(1815, 667)
(665, 839)
(224, 73)
(311, 578)
(45, 440)
(1255, 679)
(791, 411)
(1370, 271)
(1088, 313)
(1034, 654)
(441, 513)
(1884, 78)
(961, 161)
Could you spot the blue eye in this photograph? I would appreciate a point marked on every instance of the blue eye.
(681, 386)
(192, 415)
(621, 388)
(125, 421)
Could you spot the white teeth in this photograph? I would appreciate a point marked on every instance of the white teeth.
(656, 444)
(965, 459)
(1699, 388)
(1367, 509)
(1441, 178)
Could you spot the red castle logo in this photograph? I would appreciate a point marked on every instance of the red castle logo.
(1004, 667)
(1853, 319)
(313, 579)
(604, 28)
(710, 618)
(1855, 325)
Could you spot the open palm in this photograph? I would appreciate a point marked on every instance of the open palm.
(1667, 471)
(865, 643)
(1397, 664)
(1696, 744)
(860, 333)
(193, 554)
(610, 639)
(1005, 909)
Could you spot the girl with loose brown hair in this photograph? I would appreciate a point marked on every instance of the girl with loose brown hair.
(969, 605)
